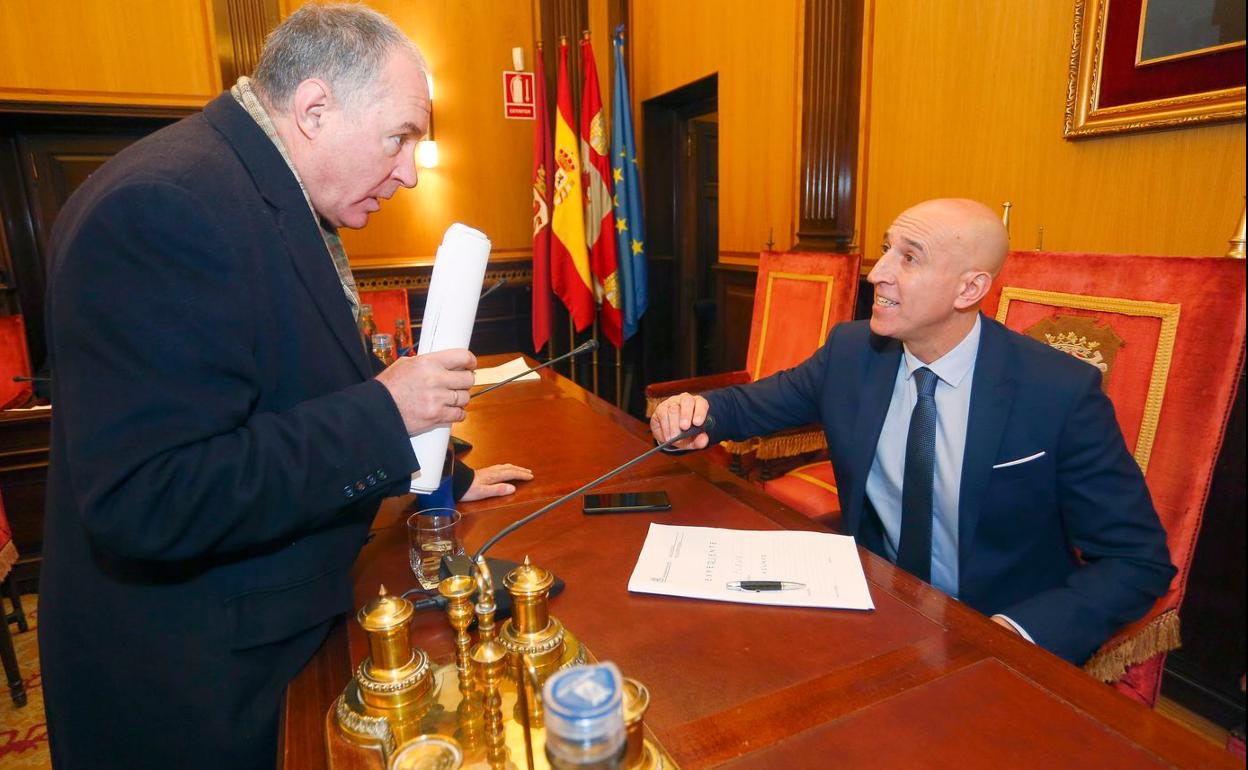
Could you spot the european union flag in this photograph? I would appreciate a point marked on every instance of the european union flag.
(630, 231)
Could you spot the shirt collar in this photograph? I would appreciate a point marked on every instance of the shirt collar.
(953, 366)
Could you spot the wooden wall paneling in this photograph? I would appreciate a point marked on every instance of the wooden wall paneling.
(152, 52)
(754, 49)
(241, 26)
(971, 103)
(829, 158)
(736, 284)
(485, 160)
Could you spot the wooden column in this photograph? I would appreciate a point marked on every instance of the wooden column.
(241, 28)
(832, 52)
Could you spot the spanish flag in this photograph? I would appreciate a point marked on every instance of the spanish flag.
(569, 257)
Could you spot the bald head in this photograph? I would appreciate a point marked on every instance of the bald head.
(939, 261)
(970, 233)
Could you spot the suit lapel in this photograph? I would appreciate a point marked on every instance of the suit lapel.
(883, 359)
(992, 394)
(299, 230)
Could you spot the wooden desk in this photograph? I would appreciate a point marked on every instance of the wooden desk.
(922, 681)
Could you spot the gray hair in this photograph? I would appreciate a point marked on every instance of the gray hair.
(344, 44)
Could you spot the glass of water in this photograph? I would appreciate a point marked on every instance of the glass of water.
(432, 534)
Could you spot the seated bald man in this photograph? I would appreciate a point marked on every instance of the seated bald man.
(974, 457)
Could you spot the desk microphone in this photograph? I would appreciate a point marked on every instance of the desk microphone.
(462, 565)
(493, 288)
(585, 347)
(707, 424)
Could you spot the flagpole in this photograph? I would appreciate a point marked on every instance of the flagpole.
(572, 344)
(594, 333)
(619, 376)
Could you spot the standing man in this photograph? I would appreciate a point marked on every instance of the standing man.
(980, 460)
(220, 443)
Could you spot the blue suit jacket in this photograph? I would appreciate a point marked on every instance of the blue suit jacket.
(1068, 545)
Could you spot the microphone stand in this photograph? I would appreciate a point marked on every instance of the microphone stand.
(692, 431)
(584, 348)
(493, 288)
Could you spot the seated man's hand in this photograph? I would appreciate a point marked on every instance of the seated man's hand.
(431, 389)
(493, 481)
(680, 413)
(1000, 621)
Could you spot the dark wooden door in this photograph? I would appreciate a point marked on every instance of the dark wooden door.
(43, 159)
(702, 246)
(681, 185)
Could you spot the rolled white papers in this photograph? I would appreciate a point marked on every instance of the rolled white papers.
(458, 272)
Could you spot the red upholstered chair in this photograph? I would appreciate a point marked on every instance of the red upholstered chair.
(389, 305)
(1168, 333)
(798, 298)
(14, 361)
(811, 489)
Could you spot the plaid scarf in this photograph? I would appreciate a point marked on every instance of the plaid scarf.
(246, 97)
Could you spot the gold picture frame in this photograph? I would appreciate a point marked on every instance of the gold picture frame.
(1085, 114)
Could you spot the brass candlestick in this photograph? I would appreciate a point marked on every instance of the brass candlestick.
(489, 660)
(458, 591)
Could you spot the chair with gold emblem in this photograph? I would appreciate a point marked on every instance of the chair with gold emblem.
(798, 298)
(1168, 335)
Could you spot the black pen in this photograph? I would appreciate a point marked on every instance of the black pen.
(764, 585)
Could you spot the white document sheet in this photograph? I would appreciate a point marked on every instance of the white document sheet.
(450, 311)
(818, 569)
(493, 374)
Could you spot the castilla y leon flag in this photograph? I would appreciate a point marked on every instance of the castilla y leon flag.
(569, 258)
(630, 231)
(541, 211)
(599, 219)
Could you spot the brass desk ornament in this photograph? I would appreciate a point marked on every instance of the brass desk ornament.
(487, 700)
(532, 632)
(392, 687)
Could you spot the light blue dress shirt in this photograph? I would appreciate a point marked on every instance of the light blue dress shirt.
(953, 406)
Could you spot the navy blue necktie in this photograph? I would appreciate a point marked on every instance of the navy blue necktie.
(914, 550)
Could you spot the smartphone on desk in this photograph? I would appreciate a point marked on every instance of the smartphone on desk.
(627, 502)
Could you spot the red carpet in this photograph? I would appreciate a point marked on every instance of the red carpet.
(24, 731)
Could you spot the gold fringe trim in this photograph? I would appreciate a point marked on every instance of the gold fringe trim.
(775, 447)
(8, 557)
(1161, 634)
(740, 447)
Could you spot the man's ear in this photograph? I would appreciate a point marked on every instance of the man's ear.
(311, 100)
(974, 287)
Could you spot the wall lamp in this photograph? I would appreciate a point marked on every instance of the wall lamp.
(427, 148)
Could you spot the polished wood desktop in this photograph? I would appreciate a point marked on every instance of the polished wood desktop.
(922, 681)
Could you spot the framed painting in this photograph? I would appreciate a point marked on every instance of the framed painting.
(1137, 65)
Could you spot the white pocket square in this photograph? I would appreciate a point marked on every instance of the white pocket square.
(1019, 461)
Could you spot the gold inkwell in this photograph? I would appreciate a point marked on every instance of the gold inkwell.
(392, 688)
